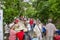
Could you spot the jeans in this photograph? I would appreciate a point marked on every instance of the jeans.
(31, 27)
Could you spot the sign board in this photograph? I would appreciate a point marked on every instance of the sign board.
(1, 24)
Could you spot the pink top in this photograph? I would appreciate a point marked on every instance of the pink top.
(12, 35)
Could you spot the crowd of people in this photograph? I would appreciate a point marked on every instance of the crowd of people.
(23, 28)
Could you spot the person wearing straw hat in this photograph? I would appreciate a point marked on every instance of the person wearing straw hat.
(20, 34)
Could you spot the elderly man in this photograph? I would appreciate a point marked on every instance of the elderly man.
(50, 29)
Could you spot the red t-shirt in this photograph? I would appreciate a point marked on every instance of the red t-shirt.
(20, 35)
(31, 22)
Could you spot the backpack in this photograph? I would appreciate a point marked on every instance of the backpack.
(43, 29)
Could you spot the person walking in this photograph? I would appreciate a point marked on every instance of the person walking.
(31, 22)
(12, 33)
(50, 29)
(44, 31)
(38, 29)
(20, 34)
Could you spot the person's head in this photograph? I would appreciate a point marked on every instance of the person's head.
(49, 20)
(31, 18)
(16, 21)
(21, 17)
(38, 21)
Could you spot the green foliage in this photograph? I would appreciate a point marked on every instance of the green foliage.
(42, 9)
(47, 9)
(11, 10)
(30, 12)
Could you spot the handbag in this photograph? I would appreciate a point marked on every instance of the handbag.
(34, 35)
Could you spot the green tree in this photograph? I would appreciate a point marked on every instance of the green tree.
(42, 9)
(13, 9)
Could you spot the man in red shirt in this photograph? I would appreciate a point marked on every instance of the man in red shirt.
(20, 35)
(31, 23)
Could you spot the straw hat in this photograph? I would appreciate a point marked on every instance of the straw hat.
(19, 29)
